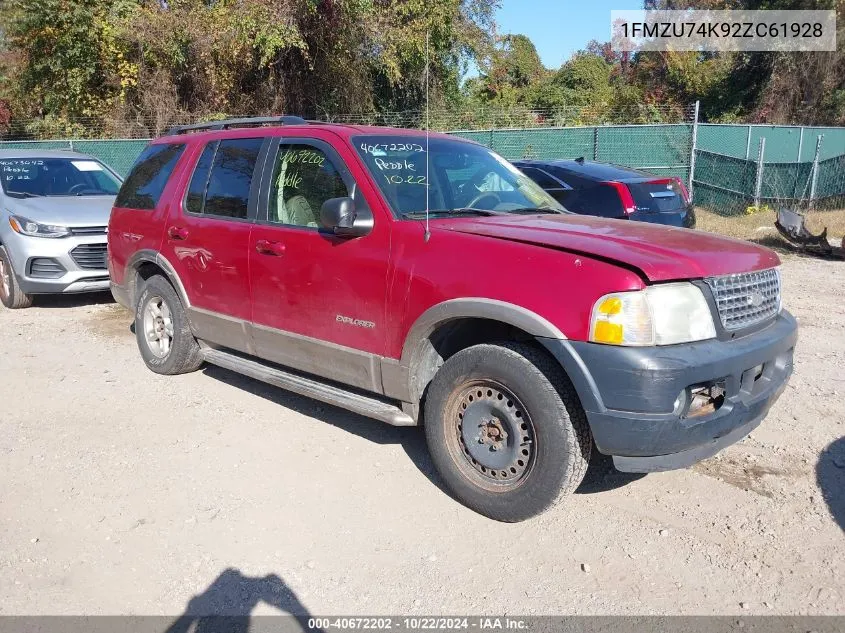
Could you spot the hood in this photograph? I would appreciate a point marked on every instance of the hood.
(661, 253)
(63, 210)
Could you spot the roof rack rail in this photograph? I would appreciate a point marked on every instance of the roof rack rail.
(242, 122)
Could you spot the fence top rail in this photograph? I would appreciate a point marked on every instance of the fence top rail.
(777, 125)
(68, 141)
(570, 127)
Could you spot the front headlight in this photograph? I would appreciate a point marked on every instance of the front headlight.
(665, 314)
(35, 229)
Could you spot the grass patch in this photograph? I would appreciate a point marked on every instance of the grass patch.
(762, 224)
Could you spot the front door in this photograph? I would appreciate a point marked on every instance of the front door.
(207, 240)
(318, 300)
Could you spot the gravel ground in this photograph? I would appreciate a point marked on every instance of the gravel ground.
(124, 492)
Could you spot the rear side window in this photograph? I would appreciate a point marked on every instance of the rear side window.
(541, 178)
(195, 199)
(143, 187)
(227, 191)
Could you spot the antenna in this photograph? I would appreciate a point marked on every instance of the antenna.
(427, 235)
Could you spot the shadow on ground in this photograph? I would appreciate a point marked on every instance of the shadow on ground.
(830, 476)
(601, 475)
(72, 300)
(226, 606)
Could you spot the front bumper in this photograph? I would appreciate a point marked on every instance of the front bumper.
(630, 394)
(23, 250)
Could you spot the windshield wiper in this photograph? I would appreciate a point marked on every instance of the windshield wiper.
(420, 215)
(25, 194)
(534, 210)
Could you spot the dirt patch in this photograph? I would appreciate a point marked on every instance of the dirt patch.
(744, 473)
(111, 320)
(124, 491)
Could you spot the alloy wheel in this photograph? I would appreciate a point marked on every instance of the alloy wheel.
(158, 326)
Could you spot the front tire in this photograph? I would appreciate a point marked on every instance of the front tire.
(11, 295)
(162, 330)
(506, 430)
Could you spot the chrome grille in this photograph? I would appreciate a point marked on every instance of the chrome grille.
(90, 256)
(746, 299)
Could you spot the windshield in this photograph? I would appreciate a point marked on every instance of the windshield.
(33, 177)
(461, 176)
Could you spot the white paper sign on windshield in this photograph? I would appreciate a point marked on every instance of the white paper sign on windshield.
(87, 165)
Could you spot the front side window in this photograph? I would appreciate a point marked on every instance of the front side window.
(303, 179)
(36, 177)
(455, 174)
(230, 179)
(145, 183)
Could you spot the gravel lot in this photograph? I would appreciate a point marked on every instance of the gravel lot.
(124, 492)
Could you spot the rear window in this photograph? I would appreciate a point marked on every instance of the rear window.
(143, 187)
(657, 196)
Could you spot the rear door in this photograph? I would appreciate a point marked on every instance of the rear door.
(207, 238)
(318, 300)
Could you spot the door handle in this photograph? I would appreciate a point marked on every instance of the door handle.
(177, 233)
(266, 247)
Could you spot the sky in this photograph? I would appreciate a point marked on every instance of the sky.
(558, 28)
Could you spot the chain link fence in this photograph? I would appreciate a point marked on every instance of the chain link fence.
(731, 168)
(744, 168)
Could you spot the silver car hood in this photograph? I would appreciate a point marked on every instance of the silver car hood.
(63, 210)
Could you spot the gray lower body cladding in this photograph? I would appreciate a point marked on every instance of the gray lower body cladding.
(637, 400)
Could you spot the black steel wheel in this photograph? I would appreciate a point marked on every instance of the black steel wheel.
(493, 434)
(506, 430)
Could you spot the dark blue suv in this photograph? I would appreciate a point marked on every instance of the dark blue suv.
(611, 191)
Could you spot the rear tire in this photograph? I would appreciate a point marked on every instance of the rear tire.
(506, 430)
(162, 330)
(11, 295)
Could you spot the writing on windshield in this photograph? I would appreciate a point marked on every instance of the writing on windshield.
(444, 173)
(56, 177)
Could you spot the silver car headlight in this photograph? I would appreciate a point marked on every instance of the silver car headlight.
(36, 229)
(665, 314)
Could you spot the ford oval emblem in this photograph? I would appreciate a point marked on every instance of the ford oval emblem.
(755, 299)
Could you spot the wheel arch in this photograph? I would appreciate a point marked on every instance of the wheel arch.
(449, 327)
(142, 265)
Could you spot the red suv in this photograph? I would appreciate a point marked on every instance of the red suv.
(425, 280)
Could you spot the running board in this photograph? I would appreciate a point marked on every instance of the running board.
(330, 394)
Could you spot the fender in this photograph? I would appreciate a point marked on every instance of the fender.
(402, 379)
(159, 260)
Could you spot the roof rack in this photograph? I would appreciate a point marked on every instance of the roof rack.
(243, 122)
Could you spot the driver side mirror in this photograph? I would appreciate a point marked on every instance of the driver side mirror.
(339, 216)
